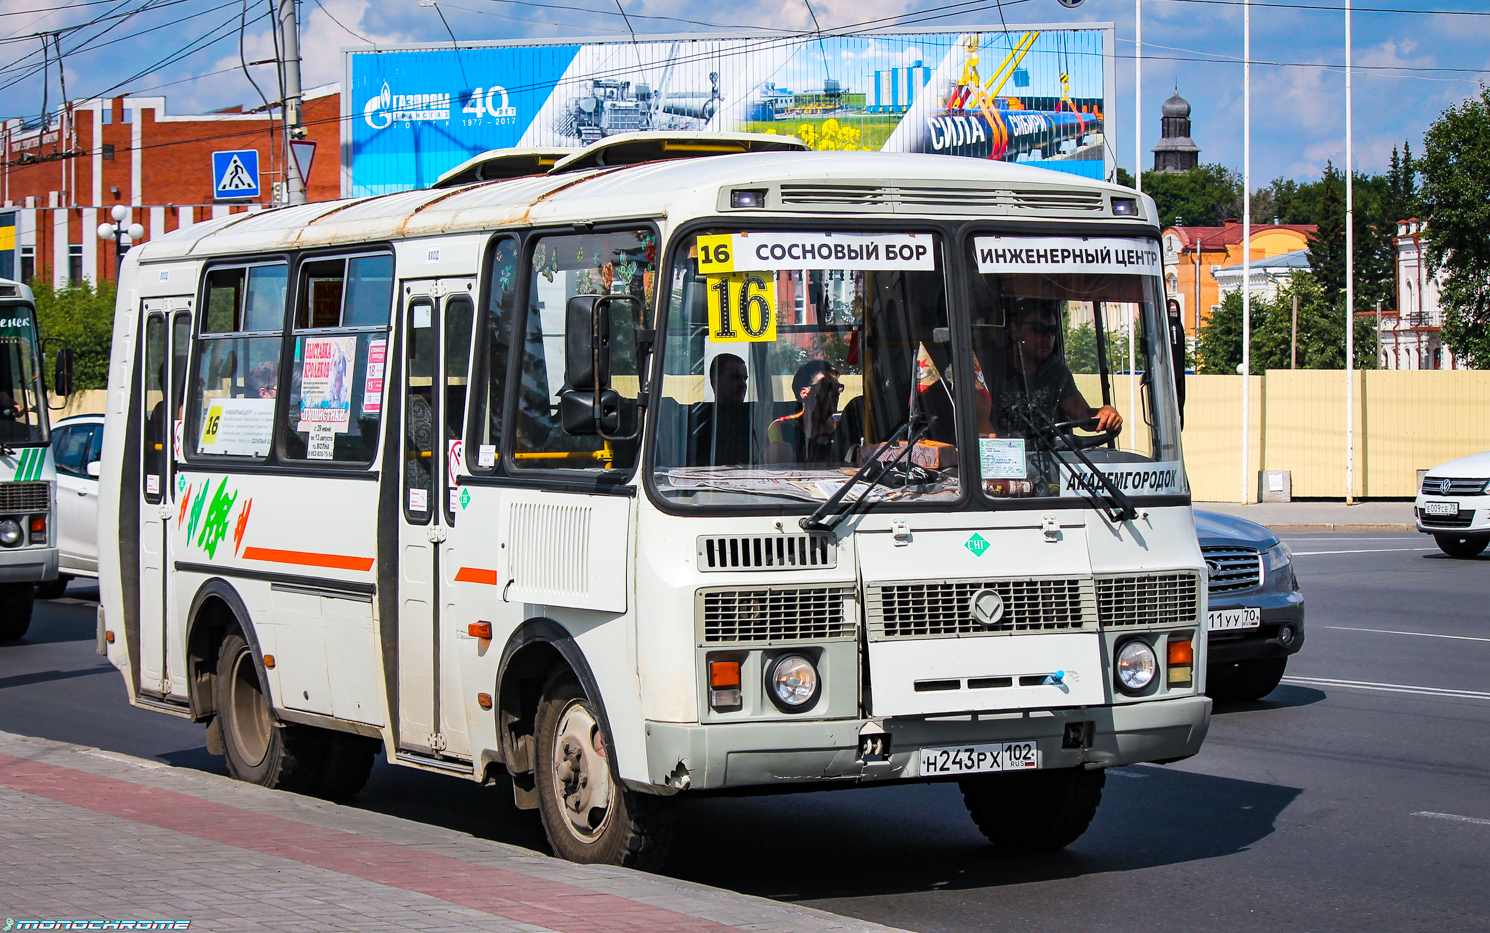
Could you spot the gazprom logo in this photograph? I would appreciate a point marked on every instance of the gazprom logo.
(381, 111)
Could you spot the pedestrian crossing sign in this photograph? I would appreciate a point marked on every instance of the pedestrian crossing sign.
(235, 175)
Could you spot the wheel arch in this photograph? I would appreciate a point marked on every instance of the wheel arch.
(533, 652)
(216, 609)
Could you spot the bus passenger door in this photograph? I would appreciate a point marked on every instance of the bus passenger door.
(167, 339)
(430, 717)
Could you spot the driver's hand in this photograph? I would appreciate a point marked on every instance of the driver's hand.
(1108, 419)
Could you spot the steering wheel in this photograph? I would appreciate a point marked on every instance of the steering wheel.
(1085, 424)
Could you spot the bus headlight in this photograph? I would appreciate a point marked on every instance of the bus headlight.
(792, 682)
(10, 532)
(1136, 666)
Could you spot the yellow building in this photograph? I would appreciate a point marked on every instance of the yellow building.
(1192, 254)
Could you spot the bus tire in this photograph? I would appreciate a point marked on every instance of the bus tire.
(1037, 811)
(15, 609)
(1244, 681)
(259, 749)
(588, 815)
(346, 764)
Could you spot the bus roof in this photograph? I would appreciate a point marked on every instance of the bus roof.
(864, 184)
(10, 288)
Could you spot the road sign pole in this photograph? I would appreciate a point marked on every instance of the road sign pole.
(290, 67)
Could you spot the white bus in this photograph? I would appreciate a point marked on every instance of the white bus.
(28, 475)
(724, 469)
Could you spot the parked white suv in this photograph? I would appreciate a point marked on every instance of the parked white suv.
(77, 449)
(1453, 505)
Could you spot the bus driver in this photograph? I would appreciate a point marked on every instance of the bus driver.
(1034, 375)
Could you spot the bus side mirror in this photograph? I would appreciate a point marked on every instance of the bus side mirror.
(588, 405)
(62, 375)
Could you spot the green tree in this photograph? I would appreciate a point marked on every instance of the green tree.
(1321, 334)
(81, 316)
(1205, 196)
(1327, 244)
(1456, 201)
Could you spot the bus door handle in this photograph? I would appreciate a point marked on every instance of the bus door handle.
(435, 534)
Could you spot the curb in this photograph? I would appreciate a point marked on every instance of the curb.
(1358, 527)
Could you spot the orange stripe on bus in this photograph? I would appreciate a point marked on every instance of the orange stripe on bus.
(476, 575)
(308, 558)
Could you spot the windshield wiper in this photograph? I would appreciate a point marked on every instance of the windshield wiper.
(1117, 506)
(825, 518)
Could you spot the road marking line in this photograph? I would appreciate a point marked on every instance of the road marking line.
(1127, 774)
(1387, 631)
(1454, 817)
(1364, 550)
(1389, 688)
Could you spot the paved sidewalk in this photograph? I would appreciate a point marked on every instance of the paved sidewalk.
(87, 835)
(1374, 516)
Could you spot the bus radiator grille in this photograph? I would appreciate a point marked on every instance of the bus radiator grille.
(944, 610)
(1149, 599)
(776, 615)
(925, 199)
(25, 497)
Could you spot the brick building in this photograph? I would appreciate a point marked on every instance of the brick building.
(61, 181)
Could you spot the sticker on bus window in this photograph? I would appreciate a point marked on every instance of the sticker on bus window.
(1054, 255)
(486, 455)
(237, 427)
(372, 391)
(742, 308)
(152, 485)
(1001, 457)
(760, 251)
(326, 382)
(321, 444)
(418, 500)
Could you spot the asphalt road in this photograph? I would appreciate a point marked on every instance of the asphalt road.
(1355, 797)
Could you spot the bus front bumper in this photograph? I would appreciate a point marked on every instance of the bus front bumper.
(766, 754)
(28, 565)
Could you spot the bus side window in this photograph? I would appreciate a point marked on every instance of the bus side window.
(232, 399)
(157, 429)
(565, 266)
(492, 355)
(459, 313)
(422, 348)
(340, 356)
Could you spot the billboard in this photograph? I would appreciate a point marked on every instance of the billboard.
(1027, 94)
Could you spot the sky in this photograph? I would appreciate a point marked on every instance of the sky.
(1410, 65)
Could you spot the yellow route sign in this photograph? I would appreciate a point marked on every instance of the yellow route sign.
(742, 307)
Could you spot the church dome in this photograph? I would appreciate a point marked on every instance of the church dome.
(1176, 106)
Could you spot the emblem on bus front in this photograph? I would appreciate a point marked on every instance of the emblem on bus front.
(988, 607)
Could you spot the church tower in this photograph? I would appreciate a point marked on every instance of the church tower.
(1176, 151)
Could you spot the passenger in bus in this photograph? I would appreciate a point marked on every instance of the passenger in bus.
(1035, 376)
(729, 378)
(263, 380)
(810, 435)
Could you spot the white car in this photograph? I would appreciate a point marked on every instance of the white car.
(77, 448)
(1453, 505)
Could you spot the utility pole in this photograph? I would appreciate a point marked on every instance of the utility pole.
(1349, 284)
(289, 29)
(1246, 367)
(1138, 96)
(1293, 342)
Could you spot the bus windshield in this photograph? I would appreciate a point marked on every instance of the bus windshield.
(23, 418)
(794, 358)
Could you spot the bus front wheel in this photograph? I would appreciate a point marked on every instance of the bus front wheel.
(259, 750)
(1035, 811)
(15, 610)
(588, 814)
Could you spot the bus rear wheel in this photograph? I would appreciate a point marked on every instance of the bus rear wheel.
(1036, 811)
(588, 814)
(15, 609)
(258, 749)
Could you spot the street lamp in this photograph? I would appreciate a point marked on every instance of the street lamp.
(120, 234)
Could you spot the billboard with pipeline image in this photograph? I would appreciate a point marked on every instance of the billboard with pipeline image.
(1031, 94)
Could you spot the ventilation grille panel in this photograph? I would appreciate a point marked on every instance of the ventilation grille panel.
(25, 497)
(550, 548)
(1149, 599)
(766, 552)
(1233, 569)
(944, 609)
(776, 615)
(1462, 520)
(1458, 486)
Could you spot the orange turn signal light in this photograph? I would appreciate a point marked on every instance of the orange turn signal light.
(483, 700)
(108, 637)
(479, 630)
(38, 523)
(1181, 652)
(269, 661)
(724, 674)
